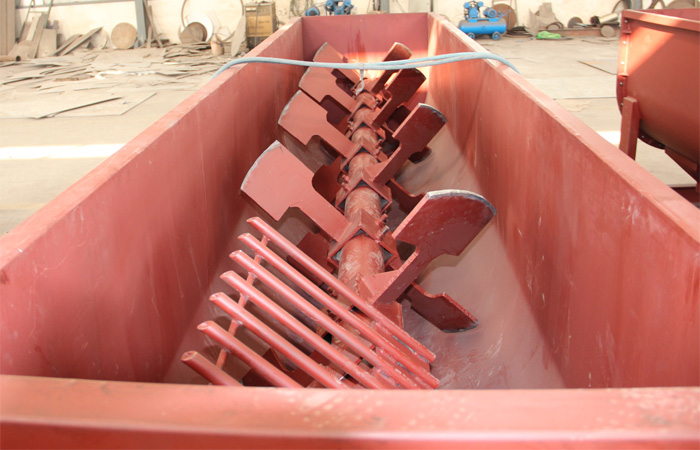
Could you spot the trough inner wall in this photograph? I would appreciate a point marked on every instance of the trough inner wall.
(598, 255)
(107, 280)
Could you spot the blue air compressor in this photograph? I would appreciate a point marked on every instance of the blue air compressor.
(339, 7)
(332, 7)
(491, 24)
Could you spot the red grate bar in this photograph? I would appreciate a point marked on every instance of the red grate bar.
(317, 342)
(248, 356)
(323, 320)
(401, 335)
(274, 340)
(223, 354)
(410, 361)
(346, 279)
(208, 370)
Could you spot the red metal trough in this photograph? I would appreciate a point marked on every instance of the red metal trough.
(586, 284)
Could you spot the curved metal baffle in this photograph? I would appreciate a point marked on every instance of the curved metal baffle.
(328, 308)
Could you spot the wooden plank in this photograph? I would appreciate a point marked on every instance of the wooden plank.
(32, 29)
(47, 45)
(4, 14)
(151, 25)
(35, 37)
(7, 26)
(68, 42)
(21, 50)
(81, 40)
(49, 105)
(24, 32)
(26, 49)
(124, 104)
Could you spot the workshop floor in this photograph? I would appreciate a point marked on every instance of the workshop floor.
(40, 157)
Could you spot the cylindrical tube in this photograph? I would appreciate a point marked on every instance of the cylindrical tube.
(385, 341)
(363, 200)
(248, 356)
(276, 341)
(208, 370)
(361, 257)
(364, 136)
(223, 354)
(339, 287)
(317, 316)
(300, 330)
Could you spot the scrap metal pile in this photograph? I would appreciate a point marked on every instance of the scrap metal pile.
(326, 311)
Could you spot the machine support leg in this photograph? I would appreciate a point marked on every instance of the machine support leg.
(630, 126)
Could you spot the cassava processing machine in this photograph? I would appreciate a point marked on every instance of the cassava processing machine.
(658, 86)
(585, 283)
(358, 337)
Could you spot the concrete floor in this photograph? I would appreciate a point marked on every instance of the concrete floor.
(39, 158)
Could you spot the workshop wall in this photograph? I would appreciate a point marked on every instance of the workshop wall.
(453, 10)
(563, 10)
(225, 16)
(73, 19)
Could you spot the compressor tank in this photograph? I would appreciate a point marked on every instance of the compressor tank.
(483, 26)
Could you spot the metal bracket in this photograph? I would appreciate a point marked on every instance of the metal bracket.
(443, 222)
(279, 181)
(303, 118)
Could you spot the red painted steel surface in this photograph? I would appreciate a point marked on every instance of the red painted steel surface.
(122, 258)
(360, 243)
(659, 67)
(163, 416)
(385, 134)
(341, 288)
(587, 277)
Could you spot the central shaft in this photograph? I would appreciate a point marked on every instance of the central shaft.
(361, 256)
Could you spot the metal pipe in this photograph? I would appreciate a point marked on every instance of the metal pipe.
(367, 99)
(208, 370)
(361, 257)
(361, 201)
(364, 136)
(276, 341)
(248, 356)
(409, 360)
(223, 354)
(322, 320)
(339, 287)
(327, 350)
